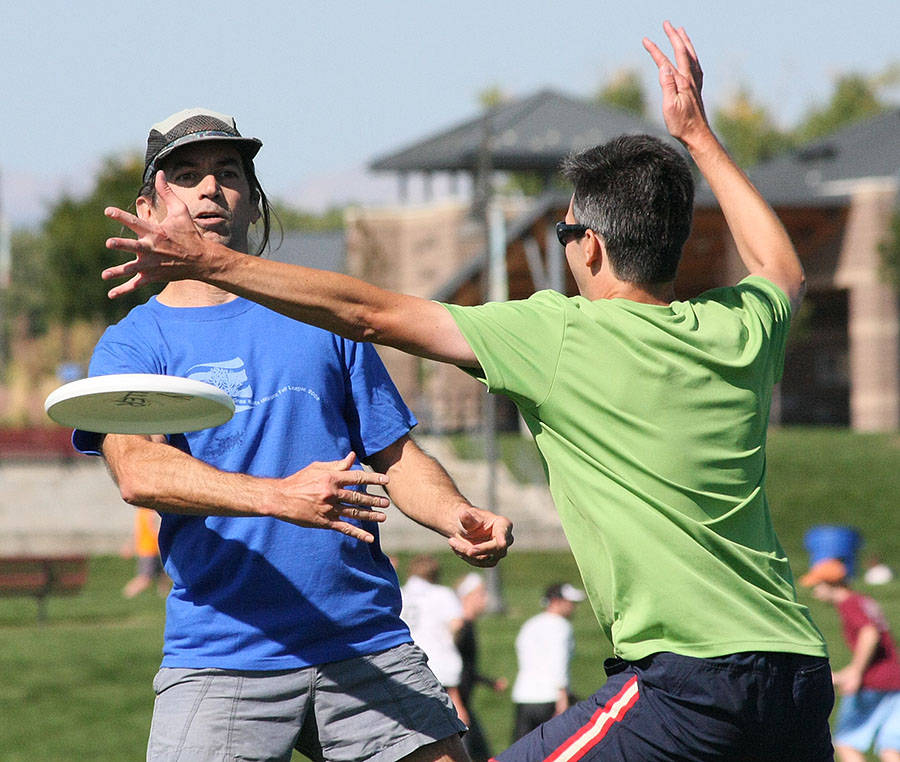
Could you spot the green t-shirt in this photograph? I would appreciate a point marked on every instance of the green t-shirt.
(651, 422)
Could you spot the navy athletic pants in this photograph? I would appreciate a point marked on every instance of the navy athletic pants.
(748, 707)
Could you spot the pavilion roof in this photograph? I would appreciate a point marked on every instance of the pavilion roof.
(528, 134)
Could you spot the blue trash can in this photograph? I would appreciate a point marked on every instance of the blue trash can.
(827, 541)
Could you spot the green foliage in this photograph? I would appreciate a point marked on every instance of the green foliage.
(855, 97)
(291, 218)
(625, 91)
(528, 184)
(751, 135)
(491, 97)
(76, 233)
(748, 131)
(29, 281)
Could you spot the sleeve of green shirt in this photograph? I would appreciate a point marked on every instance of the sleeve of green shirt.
(772, 307)
(523, 336)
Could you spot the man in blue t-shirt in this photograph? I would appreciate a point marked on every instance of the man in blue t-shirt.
(279, 635)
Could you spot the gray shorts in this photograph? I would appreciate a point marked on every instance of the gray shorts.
(379, 707)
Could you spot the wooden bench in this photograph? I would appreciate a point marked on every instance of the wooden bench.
(47, 443)
(42, 576)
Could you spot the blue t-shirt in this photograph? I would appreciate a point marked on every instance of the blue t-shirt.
(258, 593)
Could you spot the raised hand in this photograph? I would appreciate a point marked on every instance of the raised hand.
(482, 538)
(682, 104)
(164, 251)
(317, 497)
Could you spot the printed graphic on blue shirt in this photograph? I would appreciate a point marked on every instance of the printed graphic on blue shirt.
(230, 376)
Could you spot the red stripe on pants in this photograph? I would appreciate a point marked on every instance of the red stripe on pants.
(598, 726)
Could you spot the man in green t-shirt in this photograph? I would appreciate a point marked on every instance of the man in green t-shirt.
(650, 415)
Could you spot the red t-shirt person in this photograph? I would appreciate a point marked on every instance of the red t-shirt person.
(883, 672)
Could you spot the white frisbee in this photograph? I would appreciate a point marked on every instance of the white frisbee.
(139, 403)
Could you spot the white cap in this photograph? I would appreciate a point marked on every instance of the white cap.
(468, 584)
(565, 591)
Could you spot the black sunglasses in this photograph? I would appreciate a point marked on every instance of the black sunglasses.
(566, 232)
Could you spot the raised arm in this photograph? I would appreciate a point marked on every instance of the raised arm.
(174, 250)
(153, 474)
(762, 242)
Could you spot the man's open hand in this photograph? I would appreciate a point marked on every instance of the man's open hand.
(319, 497)
(164, 251)
(682, 104)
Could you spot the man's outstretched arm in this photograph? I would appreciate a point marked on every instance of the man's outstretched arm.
(152, 474)
(174, 250)
(762, 242)
(424, 491)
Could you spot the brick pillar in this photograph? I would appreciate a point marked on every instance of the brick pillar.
(873, 317)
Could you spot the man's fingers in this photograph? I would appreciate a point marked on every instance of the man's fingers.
(121, 271)
(120, 215)
(666, 69)
(358, 497)
(163, 189)
(173, 204)
(490, 547)
(362, 514)
(353, 531)
(348, 476)
(360, 478)
(685, 56)
(488, 550)
(125, 288)
(469, 522)
(687, 41)
(343, 464)
(482, 555)
(127, 219)
(656, 54)
(131, 245)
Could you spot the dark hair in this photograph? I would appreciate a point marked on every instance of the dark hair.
(148, 190)
(425, 566)
(637, 192)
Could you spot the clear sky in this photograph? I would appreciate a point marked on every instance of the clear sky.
(328, 86)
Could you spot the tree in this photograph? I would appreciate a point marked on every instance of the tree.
(492, 97)
(76, 231)
(291, 218)
(748, 131)
(855, 97)
(625, 90)
(29, 279)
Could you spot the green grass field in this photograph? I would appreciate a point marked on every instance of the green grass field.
(79, 687)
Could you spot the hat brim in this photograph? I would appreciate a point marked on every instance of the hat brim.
(830, 570)
(571, 593)
(248, 147)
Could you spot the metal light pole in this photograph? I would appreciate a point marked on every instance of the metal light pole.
(497, 291)
(5, 270)
(489, 213)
